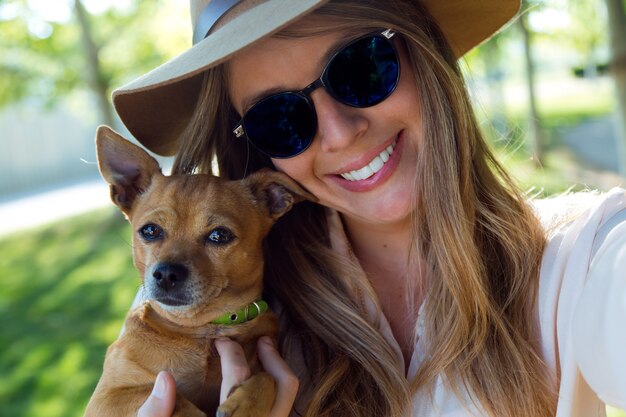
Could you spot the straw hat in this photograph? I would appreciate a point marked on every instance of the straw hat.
(157, 106)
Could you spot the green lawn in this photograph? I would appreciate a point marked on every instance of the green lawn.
(65, 291)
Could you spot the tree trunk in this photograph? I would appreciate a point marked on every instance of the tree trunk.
(95, 76)
(494, 73)
(617, 29)
(535, 133)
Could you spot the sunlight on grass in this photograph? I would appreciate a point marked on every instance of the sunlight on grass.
(614, 412)
(66, 290)
(560, 173)
(568, 99)
(562, 99)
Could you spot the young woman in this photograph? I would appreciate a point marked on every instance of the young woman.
(422, 282)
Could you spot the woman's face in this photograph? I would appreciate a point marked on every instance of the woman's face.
(348, 138)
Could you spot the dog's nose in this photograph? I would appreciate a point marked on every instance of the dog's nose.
(169, 275)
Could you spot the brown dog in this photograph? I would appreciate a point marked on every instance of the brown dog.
(197, 244)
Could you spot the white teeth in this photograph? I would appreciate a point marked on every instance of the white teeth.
(372, 168)
(376, 164)
(365, 172)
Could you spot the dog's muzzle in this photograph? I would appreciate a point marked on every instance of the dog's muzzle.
(167, 284)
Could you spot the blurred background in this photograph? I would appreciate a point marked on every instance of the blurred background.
(550, 92)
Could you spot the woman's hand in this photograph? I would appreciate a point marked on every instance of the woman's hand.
(235, 371)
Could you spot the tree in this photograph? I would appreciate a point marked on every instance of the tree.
(587, 32)
(99, 82)
(535, 133)
(490, 55)
(617, 28)
(47, 58)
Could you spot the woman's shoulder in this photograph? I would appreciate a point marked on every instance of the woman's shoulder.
(598, 332)
(556, 213)
(580, 227)
(576, 225)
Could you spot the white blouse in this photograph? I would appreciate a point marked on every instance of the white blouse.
(581, 309)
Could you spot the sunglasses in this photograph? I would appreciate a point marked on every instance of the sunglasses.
(361, 74)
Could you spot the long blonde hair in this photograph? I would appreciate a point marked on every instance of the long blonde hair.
(481, 242)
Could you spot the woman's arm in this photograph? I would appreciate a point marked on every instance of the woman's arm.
(599, 330)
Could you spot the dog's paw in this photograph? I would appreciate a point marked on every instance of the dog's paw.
(253, 398)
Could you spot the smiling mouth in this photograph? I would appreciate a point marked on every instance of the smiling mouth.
(372, 167)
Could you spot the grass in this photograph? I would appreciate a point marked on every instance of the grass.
(614, 412)
(65, 291)
(560, 169)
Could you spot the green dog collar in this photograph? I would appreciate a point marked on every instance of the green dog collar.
(252, 310)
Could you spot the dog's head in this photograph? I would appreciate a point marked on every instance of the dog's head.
(197, 239)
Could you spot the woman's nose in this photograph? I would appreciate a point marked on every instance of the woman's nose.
(338, 125)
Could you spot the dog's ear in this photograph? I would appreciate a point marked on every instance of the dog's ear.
(125, 166)
(277, 191)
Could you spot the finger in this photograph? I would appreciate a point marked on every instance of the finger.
(286, 381)
(235, 369)
(162, 399)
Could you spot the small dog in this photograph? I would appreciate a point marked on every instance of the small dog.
(197, 244)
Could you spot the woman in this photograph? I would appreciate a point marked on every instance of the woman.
(422, 281)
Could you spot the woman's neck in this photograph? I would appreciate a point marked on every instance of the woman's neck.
(395, 272)
(384, 251)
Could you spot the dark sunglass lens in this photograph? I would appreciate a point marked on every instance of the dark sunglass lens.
(281, 125)
(364, 73)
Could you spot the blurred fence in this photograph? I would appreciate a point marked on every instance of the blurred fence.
(43, 148)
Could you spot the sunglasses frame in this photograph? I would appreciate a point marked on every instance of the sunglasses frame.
(322, 81)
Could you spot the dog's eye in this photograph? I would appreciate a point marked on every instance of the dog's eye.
(151, 232)
(220, 236)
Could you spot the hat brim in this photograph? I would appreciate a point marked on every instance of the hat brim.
(157, 106)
